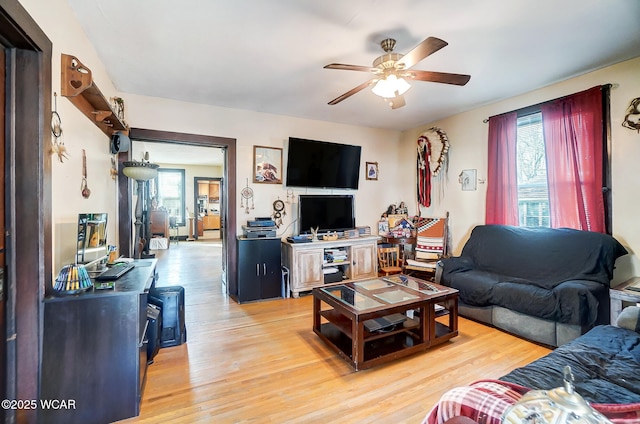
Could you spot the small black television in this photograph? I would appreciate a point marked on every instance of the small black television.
(327, 212)
(321, 164)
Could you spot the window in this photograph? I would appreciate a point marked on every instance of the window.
(533, 192)
(549, 164)
(171, 193)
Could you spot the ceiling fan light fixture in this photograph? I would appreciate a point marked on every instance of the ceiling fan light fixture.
(390, 87)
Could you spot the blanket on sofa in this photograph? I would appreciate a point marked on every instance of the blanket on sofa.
(557, 274)
(605, 363)
(486, 401)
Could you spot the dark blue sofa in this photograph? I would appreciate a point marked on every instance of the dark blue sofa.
(546, 285)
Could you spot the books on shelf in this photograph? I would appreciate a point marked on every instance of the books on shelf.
(335, 256)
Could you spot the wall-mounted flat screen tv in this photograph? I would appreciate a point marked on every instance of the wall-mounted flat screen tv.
(326, 212)
(320, 164)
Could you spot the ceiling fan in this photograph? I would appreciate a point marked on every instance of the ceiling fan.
(391, 70)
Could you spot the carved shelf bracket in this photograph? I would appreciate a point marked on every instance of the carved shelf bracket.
(77, 85)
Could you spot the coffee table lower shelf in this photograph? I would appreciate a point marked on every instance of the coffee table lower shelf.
(381, 347)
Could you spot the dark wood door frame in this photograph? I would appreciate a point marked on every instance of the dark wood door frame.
(227, 201)
(28, 54)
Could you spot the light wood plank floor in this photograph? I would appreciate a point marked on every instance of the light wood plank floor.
(262, 363)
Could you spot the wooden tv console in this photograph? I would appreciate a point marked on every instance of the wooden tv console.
(306, 261)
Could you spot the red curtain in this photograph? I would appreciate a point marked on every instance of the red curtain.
(573, 134)
(502, 179)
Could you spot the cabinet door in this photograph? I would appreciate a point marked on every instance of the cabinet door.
(214, 191)
(308, 268)
(203, 189)
(271, 282)
(364, 261)
(249, 270)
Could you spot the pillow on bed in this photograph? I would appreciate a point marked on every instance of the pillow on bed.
(629, 318)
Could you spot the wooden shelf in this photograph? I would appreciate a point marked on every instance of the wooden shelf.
(78, 86)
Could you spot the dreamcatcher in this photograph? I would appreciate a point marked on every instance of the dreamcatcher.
(433, 149)
(58, 146)
(247, 194)
(278, 212)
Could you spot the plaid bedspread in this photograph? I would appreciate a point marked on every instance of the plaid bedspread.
(485, 401)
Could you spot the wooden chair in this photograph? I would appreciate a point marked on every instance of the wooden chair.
(431, 245)
(389, 260)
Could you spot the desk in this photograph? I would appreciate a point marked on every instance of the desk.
(95, 350)
(620, 297)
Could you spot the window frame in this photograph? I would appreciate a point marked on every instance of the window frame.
(180, 222)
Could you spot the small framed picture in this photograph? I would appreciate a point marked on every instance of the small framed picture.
(372, 170)
(468, 179)
(267, 165)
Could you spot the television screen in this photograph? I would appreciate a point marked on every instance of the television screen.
(321, 164)
(326, 212)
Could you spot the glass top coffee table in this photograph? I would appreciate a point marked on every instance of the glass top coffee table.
(374, 321)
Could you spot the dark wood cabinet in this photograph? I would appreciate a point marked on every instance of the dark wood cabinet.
(259, 269)
(95, 350)
(159, 223)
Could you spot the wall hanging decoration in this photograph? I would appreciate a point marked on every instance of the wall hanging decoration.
(632, 116)
(58, 147)
(267, 165)
(290, 196)
(278, 212)
(84, 188)
(468, 179)
(114, 169)
(432, 163)
(372, 170)
(247, 194)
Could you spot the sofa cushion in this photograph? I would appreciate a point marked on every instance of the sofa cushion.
(605, 363)
(629, 318)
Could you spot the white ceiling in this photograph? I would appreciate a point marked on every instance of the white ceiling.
(268, 56)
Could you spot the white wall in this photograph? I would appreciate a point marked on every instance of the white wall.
(58, 22)
(394, 152)
(468, 137)
(253, 128)
(249, 128)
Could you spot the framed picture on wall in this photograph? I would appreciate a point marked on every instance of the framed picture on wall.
(267, 165)
(468, 179)
(372, 170)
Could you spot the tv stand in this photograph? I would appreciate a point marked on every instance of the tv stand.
(357, 259)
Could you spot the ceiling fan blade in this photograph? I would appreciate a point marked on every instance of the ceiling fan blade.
(422, 50)
(443, 77)
(352, 92)
(351, 67)
(397, 102)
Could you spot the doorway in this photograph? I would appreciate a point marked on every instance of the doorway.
(227, 201)
(209, 209)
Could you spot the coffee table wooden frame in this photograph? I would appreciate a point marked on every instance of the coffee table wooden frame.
(341, 326)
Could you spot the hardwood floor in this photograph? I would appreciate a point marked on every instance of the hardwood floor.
(262, 363)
